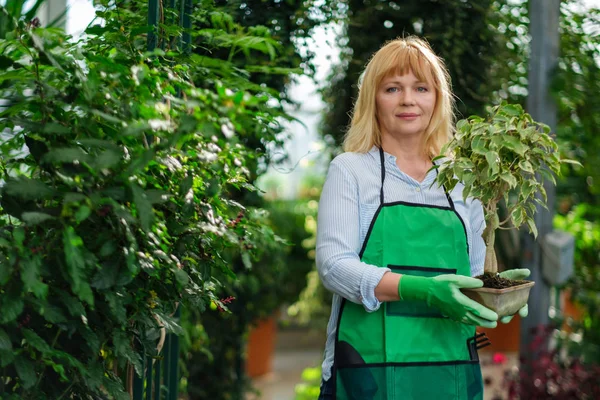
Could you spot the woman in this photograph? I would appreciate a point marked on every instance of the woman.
(395, 249)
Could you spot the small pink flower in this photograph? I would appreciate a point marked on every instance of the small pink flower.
(499, 358)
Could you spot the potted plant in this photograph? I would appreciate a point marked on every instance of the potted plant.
(505, 156)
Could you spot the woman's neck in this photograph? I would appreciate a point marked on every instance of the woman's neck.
(410, 156)
(406, 150)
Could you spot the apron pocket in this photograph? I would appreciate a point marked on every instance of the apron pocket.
(362, 383)
(445, 381)
(411, 308)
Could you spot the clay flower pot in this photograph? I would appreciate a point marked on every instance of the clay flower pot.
(504, 302)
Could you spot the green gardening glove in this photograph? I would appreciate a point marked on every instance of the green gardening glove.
(516, 274)
(443, 292)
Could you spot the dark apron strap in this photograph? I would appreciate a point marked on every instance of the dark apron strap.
(382, 175)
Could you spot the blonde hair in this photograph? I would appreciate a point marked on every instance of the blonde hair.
(400, 56)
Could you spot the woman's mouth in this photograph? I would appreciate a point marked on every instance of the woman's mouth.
(407, 116)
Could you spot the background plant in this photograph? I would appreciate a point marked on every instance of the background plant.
(119, 197)
(552, 374)
(584, 285)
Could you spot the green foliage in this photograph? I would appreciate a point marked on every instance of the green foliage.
(576, 90)
(120, 180)
(478, 41)
(505, 156)
(309, 388)
(274, 277)
(585, 283)
(289, 23)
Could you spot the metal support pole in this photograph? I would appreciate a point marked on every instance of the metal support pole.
(186, 23)
(544, 16)
(153, 22)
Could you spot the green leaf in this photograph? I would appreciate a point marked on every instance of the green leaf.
(11, 308)
(73, 247)
(26, 371)
(169, 323)
(532, 227)
(514, 144)
(19, 235)
(58, 368)
(107, 159)
(246, 260)
(53, 127)
(28, 189)
(106, 276)
(114, 387)
(52, 314)
(94, 374)
(145, 213)
(478, 145)
(518, 215)
(36, 341)
(30, 275)
(73, 305)
(123, 348)
(512, 109)
(140, 162)
(115, 304)
(18, 74)
(182, 277)
(6, 357)
(492, 160)
(5, 343)
(156, 196)
(71, 155)
(82, 213)
(526, 166)
(572, 162)
(508, 178)
(35, 218)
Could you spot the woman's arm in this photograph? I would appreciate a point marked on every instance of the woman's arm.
(338, 241)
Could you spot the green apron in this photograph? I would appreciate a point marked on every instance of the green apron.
(408, 350)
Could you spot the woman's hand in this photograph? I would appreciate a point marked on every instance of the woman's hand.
(516, 274)
(443, 292)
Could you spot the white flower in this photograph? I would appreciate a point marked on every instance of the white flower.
(214, 148)
(207, 156)
(158, 124)
(227, 130)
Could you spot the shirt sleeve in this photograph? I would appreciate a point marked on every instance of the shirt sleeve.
(477, 220)
(338, 242)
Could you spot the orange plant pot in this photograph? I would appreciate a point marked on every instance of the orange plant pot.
(569, 309)
(504, 337)
(261, 348)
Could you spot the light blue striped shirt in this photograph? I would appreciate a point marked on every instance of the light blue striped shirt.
(348, 203)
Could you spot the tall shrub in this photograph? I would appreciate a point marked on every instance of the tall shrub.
(117, 202)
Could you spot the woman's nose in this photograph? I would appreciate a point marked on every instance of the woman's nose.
(407, 97)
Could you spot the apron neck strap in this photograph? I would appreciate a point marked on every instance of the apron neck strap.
(381, 158)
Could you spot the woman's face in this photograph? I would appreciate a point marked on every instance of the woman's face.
(404, 105)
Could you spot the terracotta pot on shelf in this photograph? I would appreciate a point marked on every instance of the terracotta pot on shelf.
(261, 347)
(569, 308)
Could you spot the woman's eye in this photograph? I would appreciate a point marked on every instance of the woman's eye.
(392, 90)
(422, 89)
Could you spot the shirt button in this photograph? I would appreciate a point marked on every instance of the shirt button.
(418, 189)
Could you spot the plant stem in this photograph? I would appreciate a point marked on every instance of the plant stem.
(491, 263)
(489, 236)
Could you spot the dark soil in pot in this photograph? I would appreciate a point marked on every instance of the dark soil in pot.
(494, 281)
